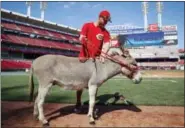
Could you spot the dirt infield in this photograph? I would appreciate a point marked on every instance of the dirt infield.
(19, 114)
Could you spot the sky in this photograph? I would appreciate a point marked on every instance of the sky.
(75, 14)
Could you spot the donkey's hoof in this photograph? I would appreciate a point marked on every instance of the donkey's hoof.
(92, 122)
(96, 117)
(46, 125)
(35, 117)
(96, 113)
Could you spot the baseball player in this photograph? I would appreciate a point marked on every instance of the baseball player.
(95, 38)
(95, 41)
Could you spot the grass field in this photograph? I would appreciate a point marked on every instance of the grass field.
(152, 91)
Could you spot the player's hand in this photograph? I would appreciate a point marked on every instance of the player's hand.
(102, 59)
(82, 59)
(83, 38)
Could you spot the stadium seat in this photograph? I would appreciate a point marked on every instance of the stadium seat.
(181, 50)
(38, 42)
(43, 32)
(11, 26)
(181, 62)
(25, 29)
(7, 64)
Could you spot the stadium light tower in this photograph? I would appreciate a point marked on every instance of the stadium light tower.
(145, 11)
(29, 3)
(43, 6)
(159, 6)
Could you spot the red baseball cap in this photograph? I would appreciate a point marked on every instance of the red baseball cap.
(105, 14)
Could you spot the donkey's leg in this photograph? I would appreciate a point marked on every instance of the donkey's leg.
(78, 97)
(92, 97)
(96, 110)
(78, 101)
(36, 111)
(43, 90)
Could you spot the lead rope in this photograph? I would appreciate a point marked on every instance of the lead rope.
(111, 58)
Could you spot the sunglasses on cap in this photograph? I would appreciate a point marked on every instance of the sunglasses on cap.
(107, 18)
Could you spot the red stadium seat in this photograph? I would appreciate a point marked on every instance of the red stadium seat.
(57, 35)
(181, 50)
(181, 62)
(40, 32)
(25, 29)
(14, 64)
(29, 29)
(38, 42)
(11, 26)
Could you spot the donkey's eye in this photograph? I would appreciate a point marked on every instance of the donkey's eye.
(123, 55)
(134, 64)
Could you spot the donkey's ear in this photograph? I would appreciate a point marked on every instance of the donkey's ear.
(122, 48)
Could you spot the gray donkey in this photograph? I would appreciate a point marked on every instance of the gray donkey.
(69, 73)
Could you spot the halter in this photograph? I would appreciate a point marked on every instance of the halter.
(131, 68)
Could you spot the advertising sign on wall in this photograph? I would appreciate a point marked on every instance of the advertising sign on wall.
(169, 28)
(142, 39)
(153, 28)
(169, 35)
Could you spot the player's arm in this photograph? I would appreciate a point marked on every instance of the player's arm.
(83, 41)
(83, 33)
(106, 44)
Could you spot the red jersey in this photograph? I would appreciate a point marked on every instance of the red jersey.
(96, 36)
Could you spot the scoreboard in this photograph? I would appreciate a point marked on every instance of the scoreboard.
(167, 35)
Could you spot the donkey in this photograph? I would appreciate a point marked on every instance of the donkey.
(69, 73)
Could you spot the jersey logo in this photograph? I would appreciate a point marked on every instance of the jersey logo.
(99, 36)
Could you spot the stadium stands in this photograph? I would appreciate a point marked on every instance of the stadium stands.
(29, 38)
(31, 30)
(37, 42)
(181, 62)
(156, 57)
(154, 52)
(181, 50)
(158, 65)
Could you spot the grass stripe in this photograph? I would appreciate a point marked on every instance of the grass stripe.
(152, 91)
